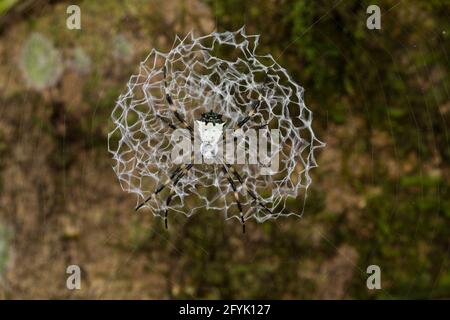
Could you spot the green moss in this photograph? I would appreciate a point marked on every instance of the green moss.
(40, 62)
(81, 61)
(5, 250)
(5, 5)
(122, 48)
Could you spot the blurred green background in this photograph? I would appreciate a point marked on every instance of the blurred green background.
(381, 195)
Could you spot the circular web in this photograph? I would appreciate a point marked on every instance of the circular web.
(219, 72)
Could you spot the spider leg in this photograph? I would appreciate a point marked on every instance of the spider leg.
(259, 126)
(169, 199)
(172, 192)
(176, 175)
(172, 126)
(167, 122)
(172, 106)
(236, 196)
(179, 170)
(255, 105)
(249, 192)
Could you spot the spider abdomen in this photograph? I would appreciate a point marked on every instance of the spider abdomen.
(210, 134)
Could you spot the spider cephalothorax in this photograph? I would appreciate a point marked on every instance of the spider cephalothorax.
(210, 129)
(211, 117)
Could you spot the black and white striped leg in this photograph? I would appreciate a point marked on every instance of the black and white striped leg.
(172, 106)
(255, 105)
(168, 123)
(236, 196)
(176, 175)
(254, 108)
(172, 191)
(169, 199)
(249, 192)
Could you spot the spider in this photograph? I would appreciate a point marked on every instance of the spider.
(210, 129)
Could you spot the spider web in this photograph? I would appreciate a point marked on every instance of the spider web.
(220, 72)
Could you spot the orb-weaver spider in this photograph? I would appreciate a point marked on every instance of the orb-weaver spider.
(210, 128)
